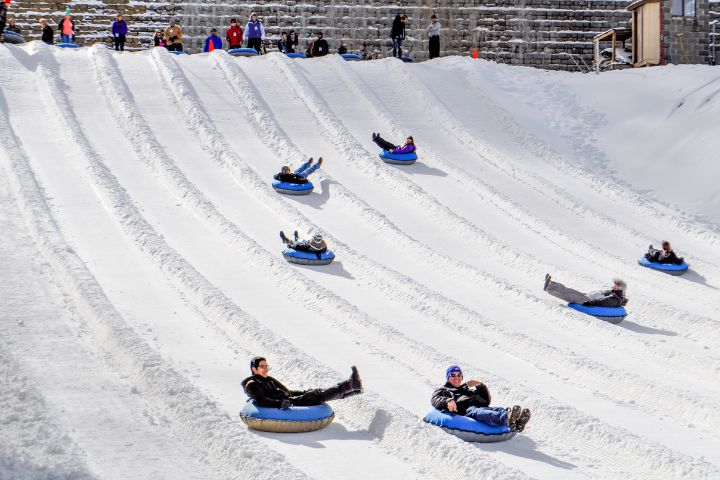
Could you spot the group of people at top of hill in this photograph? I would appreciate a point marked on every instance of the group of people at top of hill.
(253, 33)
(471, 399)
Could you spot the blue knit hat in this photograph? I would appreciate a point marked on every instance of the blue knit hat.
(452, 369)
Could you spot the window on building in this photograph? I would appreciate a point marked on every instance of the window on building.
(683, 8)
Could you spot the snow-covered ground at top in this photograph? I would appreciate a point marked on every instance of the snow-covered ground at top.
(141, 264)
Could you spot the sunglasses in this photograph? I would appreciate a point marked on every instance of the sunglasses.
(456, 375)
(264, 367)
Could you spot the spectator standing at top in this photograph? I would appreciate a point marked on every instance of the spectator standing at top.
(119, 31)
(212, 42)
(234, 35)
(292, 42)
(158, 40)
(255, 33)
(173, 37)
(342, 49)
(310, 48)
(47, 32)
(320, 48)
(397, 34)
(66, 27)
(433, 31)
(3, 18)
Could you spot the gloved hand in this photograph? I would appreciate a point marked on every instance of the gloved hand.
(285, 404)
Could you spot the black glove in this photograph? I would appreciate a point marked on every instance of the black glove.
(285, 404)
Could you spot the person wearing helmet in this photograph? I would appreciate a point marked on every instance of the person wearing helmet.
(615, 297)
(315, 245)
(472, 399)
(407, 147)
(266, 391)
(299, 176)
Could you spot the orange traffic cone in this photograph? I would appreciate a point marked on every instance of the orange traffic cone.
(211, 47)
(475, 56)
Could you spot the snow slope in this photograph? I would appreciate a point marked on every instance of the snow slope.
(142, 268)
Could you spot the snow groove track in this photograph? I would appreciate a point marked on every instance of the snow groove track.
(223, 438)
(424, 277)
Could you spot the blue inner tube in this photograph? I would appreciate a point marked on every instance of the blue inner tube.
(406, 59)
(67, 45)
(292, 420)
(398, 158)
(243, 52)
(305, 258)
(670, 268)
(468, 429)
(609, 314)
(295, 55)
(13, 37)
(351, 56)
(176, 52)
(293, 188)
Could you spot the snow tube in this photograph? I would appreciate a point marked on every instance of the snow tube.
(293, 188)
(292, 420)
(468, 429)
(67, 45)
(243, 52)
(305, 258)
(609, 314)
(295, 55)
(351, 56)
(406, 59)
(177, 52)
(669, 268)
(398, 158)
(13, 37)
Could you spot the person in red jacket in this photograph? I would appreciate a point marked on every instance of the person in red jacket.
(234, 35)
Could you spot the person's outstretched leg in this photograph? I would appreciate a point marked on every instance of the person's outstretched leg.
(309, 171)
(303, 167)
(494, 416)
(382, 143)
(348, 388)
(564, 293)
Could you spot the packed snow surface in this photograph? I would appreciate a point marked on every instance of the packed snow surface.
(141, 264)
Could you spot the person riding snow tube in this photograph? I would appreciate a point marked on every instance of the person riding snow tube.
(396, 154)
(463, 409)
(296, 183)
(307, 252)
(273, 407)
(664, 260)
(606, 305)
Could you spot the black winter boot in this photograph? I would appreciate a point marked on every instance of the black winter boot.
(284, 238)
(332, 393)
(354, 380)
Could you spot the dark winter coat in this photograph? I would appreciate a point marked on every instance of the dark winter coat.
(119, 28)
(290, 44)
(320, 48)
(464, 397)
(308, 247)
(662, 256)
(613, 298)
(290, 178)
(47, 35)
(398, 28)
(266, 391)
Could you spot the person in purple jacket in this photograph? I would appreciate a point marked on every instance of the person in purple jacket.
(119, 31)
(408, 147)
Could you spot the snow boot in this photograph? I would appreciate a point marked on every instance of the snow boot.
(547, 281)
(679, 261)
(297, 237)
(284, 238)
(341, 390)
(320, 161)
(355, 381)
(523, 420)
(513, 414)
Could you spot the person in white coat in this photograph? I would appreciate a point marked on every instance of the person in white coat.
(433, 31)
